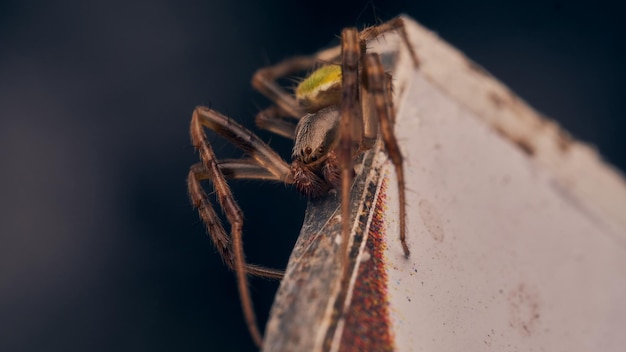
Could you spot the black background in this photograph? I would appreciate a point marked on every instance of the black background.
(99, 248)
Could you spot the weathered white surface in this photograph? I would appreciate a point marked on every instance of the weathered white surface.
(511, 250)
(504, 257)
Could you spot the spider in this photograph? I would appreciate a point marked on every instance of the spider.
(341, 108)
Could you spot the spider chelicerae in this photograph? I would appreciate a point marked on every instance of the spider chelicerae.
(339, 110)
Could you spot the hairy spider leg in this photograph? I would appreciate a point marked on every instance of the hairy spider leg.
(273, 119)
(377, 84)
(351, 116)
(395, 24)
(262, 157)
(198, 172)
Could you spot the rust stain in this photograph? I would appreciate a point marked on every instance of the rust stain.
(431, 219)
(497, 100)
(564, 141)
(473, 66)
(367, 325)
(525, 145)
(560, 139)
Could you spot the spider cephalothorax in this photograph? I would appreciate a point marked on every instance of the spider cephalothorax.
(342, 108)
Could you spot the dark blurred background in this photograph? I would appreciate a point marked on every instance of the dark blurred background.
(99, 247)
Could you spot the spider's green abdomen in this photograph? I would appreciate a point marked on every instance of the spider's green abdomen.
(320, 89)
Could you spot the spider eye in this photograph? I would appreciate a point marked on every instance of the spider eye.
(314, 158)
(308, 150)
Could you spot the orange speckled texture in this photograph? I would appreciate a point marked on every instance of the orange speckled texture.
(368, 327)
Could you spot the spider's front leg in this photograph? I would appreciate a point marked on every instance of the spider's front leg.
(264, 164)
(395, 24)
(378, 85)
(350, 128)
(274, 119)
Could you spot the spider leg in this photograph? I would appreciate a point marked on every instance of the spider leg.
(396, 24)
(265, 157)
(273, 119)
(391, 110)
(235, 218)
(349, 126)
(243, 138)
(200, 199)
(246, 168)
(377, 84)
(264, 80)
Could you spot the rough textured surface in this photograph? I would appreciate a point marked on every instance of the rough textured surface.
(367, 323)
(310, 294)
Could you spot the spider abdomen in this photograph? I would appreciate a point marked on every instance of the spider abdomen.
(320, 89)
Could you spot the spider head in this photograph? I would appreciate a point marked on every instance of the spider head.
(316, 136)
(320, 89)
